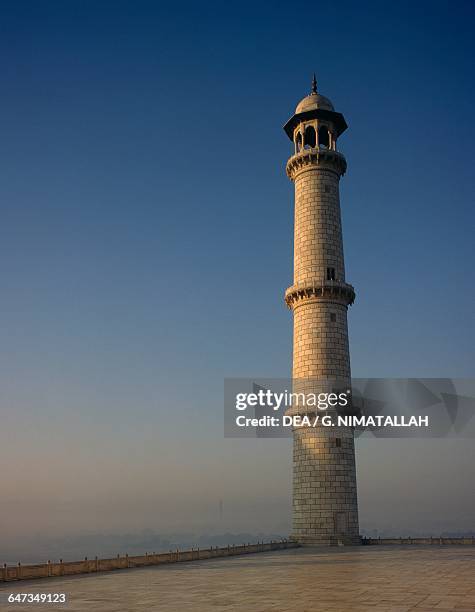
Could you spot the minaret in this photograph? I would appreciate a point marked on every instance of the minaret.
(325, 510)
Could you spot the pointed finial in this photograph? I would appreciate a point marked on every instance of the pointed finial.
(314, 84)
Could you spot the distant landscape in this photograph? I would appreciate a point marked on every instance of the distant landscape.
(40, 549)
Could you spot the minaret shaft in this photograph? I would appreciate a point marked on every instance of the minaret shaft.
(318, 240)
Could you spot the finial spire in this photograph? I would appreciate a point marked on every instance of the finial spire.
(314, 84)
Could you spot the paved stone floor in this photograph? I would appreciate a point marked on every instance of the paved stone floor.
(389, 579)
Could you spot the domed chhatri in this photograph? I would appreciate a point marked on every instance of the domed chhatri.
(315, 108)
(314, 100)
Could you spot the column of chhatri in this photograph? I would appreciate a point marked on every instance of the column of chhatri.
(325, 508)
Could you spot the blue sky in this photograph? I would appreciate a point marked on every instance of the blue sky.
(146, 234)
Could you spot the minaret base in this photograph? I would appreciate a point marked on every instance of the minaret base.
(309, 541)
(325, 510)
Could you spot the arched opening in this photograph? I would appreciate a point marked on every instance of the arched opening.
(323, 138)
(298, 141)
(310, 137)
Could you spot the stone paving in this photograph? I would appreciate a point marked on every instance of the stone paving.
(373, 578)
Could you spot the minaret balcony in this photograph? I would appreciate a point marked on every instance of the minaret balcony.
(326, 290)
(318, 156)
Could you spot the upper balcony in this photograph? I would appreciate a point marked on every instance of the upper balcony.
(316, 156)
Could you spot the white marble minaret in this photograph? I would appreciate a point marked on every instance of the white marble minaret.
(325, 510)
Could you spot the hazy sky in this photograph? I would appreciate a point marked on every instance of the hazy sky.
(146, 242)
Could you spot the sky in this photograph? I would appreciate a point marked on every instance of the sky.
(146, 242)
